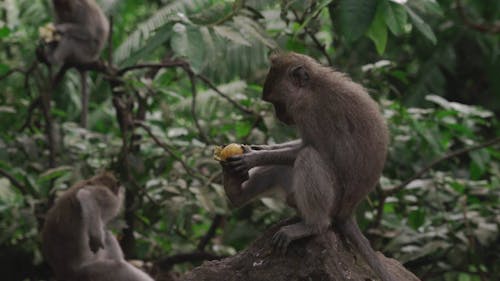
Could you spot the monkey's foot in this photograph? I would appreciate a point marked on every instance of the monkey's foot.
(283, 237)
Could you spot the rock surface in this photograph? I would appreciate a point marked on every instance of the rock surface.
(322, 258)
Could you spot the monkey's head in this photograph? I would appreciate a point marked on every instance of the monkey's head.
(108, 193)
(288, 81)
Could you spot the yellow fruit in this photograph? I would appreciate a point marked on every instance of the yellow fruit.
(48, 33)
(221, 154)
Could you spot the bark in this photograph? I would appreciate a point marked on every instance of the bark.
(321, 258)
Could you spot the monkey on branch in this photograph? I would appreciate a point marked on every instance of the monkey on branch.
(75, 40)
(336, 162)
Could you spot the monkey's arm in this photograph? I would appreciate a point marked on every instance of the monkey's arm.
(240, 164)
(293, 143)
(242, 189)
(91, 216)
(74, 31)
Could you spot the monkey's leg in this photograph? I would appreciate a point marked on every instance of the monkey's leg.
(261, 180)
(313, 190)
(91, 217)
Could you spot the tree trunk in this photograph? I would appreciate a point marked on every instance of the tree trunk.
(321, 258)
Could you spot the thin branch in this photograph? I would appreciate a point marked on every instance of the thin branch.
(169, 151)
(487, 28)
(225, 96)
(25, 72)
(452, 154)
(471, 238)
(177, 63)
(216, 221)
(14, 182)
(321, 47)
(202, 134)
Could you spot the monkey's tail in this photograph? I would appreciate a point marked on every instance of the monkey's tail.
(351, 230)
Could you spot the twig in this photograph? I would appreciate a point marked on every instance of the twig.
(14, 182)
(216, 221)
(33, 105)
(169, 151)
(202, 134)
(452, 154)
(492, 28)
(177, 63)
(470, 237)
(233, 102)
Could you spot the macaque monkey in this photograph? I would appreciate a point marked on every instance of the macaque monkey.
(75, 241)
(335, 164)
(82, 29)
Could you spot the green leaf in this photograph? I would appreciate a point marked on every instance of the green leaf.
(420, 24)
(242, 129)
(395, 17)
(4, 32)
(4, 68)
(416, 218)
(228, 32)
(378, 30)
(356, 17)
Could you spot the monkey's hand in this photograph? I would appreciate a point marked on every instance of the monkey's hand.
(96, 241)
(240, 164)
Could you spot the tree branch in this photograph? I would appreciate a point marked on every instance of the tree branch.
(22, 188)
(452, 154)
(486, 28)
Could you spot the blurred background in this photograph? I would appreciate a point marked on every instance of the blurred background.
(193, 74)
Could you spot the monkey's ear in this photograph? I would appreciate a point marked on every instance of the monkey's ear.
(300, 76)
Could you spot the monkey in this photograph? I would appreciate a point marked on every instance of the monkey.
(75, 241)
(336, 162)
(82, 29)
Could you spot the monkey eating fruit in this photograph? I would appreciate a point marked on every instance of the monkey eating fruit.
(336, 162)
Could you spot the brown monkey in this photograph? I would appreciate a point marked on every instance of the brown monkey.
(75, 240)
(337, 162)
(82, 29)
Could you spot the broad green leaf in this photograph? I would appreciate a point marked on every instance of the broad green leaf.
(356, 17)
(395, 17)
(55, 173)
(416, 218)
(242, 129)
(4, 68)
(185, 43)
(4, 32)
(421, 25)
(228, 32)
(378, 30)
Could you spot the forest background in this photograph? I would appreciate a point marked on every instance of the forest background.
(189, 76)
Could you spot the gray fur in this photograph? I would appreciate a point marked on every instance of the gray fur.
(75, 241)
(339, 159)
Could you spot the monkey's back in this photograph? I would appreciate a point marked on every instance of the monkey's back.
(63, 238)
(353, 133)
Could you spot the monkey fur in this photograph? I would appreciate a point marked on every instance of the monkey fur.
(335, 164)
(82, 29)
(75, 241)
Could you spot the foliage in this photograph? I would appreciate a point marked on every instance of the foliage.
(432, 70)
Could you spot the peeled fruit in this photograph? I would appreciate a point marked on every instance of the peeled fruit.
(48, 33)
(222, 153)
